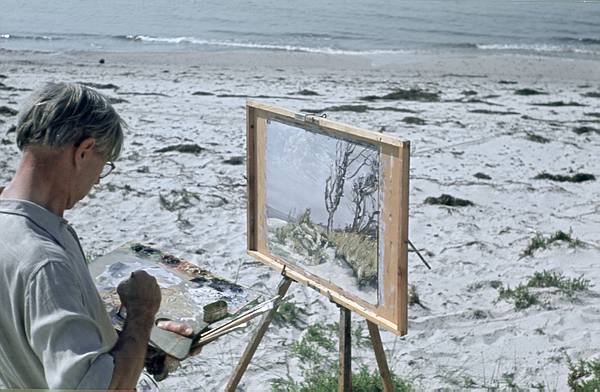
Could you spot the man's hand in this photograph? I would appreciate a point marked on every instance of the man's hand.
(178, 328)
(181, 329)
(140, 295)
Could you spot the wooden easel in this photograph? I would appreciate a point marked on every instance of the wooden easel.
(345, 332)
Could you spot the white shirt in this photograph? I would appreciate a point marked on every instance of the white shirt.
(54, 330)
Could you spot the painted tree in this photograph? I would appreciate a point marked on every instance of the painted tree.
(341, 170)
(364, 197)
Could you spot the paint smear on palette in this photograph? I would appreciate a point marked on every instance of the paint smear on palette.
(186, 288)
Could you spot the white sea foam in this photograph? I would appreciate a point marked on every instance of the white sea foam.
(251, 45)
(545, 48)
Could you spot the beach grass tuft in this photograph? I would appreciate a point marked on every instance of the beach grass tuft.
(522, 297)
(289, 313)
(584, 375)
(317, 352)
(538, 241)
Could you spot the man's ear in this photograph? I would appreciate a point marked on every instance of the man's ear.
(84, 150)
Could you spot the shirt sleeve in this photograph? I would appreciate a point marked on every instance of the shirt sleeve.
(65, 338)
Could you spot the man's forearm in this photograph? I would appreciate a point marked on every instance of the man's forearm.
(130, 351)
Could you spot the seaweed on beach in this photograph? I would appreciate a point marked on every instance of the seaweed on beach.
(592, 114)
(7, 111)
(4, 87)
(413, 94)
(144, 93)
(486, 111)
(507, 82)
(558, 104)
(476, 100)
(236, 160)
(578, 177)
(177, 200)
(305, 92)
(536, 138)
(114, 100)
(448, 200)
(356, 109)
(585, 130)
(183, 148)
(414, 120)
(591, 94)
(340, 108)
(100, 86)
(482, 176)
(202, 93)
(529, 91)
(469, 92)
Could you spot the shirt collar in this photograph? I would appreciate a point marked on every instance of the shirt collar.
(45, 219)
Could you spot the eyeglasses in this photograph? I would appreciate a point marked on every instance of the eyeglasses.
(107, 169)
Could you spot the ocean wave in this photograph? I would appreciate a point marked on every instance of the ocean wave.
(543, 48)
(29, 37)
(585, 41)
(250, 45)
(458, 45)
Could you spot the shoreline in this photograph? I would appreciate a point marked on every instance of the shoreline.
(517, 66)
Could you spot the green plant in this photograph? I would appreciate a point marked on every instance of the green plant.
(540, 242)
(584, 376)
(317, 352)
(524, 298)
(289, 313)
(521, 296)
(567, 286)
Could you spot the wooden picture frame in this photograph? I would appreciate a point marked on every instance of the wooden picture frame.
(391, 310)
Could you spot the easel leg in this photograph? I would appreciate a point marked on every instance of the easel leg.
(380, 357)
(254, 342)
(345, 380)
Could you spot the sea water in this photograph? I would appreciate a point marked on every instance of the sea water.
(552, 28)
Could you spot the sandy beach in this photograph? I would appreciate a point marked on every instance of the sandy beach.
(497, 122)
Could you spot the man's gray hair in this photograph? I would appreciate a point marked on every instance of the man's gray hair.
(64, 114)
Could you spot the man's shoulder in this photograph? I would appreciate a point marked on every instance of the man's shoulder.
(25, 246)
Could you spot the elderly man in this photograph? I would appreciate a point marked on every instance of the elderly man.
(55, 332)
